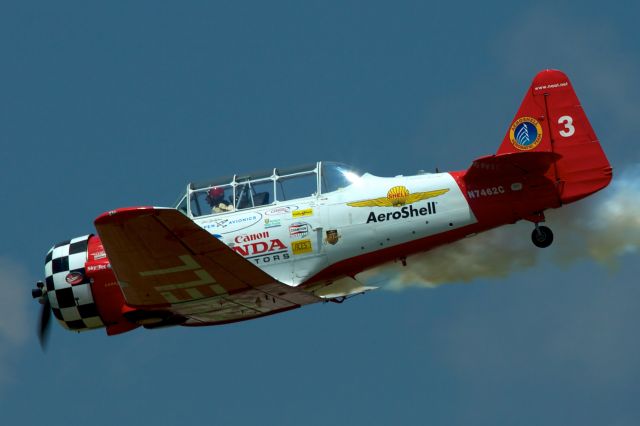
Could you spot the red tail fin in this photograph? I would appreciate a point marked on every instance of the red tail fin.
(551, 119)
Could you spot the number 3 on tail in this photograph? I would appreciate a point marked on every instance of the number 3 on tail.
(568, 130)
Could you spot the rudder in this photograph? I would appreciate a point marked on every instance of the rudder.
(551, 119)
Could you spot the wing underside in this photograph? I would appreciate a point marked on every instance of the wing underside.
(164, 262)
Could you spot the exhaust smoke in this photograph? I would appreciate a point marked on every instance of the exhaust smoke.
(14, 318)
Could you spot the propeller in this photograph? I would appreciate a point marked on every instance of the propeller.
(45, 314)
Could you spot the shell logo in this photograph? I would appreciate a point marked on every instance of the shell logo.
(398, 195)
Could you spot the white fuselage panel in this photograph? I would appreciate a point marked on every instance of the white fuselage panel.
(294, 240)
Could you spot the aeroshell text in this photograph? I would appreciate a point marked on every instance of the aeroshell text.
(404, 213)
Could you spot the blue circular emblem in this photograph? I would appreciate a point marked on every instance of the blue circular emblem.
(525, 133)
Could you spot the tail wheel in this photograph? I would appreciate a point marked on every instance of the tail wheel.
(542, 236)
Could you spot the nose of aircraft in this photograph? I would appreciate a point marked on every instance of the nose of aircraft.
(66, 291)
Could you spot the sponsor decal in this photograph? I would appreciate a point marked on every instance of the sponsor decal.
(231, 224)
(299, 229)
(251, 237)
(404, 213)
(99, 267)
(271, 223)
(260, 248)
(398, 196)
(301, 247)
(99, 255)
(332, 236)
(525, 133)
(276, 211)
(301, 213)
(74, 277)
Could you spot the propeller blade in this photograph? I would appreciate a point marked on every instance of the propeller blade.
(45, 317)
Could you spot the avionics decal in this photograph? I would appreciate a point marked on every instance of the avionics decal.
(231, 223)
(398, 196)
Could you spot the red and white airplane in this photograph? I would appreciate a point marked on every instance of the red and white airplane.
(247, 246)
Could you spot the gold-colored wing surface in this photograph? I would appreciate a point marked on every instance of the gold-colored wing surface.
(375, 202)
(419, 196)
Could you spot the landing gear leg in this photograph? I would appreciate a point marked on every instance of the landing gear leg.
(542, 236)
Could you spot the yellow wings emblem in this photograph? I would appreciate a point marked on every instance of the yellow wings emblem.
(398, 196)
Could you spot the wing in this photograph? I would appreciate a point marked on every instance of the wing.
(164, 261)
(375, 202)
(418, 196)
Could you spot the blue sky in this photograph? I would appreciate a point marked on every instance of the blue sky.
(115, 104)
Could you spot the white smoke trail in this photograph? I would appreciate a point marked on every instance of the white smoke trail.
(605, 226)
(601, 228)
(14, 321)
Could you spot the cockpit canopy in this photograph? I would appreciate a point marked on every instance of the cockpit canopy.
(273, 186)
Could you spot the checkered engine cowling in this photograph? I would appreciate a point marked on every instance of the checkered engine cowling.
(68, 288)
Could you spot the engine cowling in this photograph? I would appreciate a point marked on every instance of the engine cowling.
(82, 289)
(69, 287)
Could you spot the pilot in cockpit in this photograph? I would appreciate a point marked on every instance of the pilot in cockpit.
(215, 198)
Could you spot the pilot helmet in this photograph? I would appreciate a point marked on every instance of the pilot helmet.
(215, 194)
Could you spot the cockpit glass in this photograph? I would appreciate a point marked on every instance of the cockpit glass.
(182, 205)
(337, 176)
(254, 193)
(260, 189)
(216, 199)
(296, 186)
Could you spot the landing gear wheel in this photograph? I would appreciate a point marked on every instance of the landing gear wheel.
(542, 236)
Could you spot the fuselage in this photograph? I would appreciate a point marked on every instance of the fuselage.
(373, 220)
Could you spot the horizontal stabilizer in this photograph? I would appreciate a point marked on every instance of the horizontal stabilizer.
(511, 164)
(343, 287)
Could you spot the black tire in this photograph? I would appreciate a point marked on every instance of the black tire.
(542, 237)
